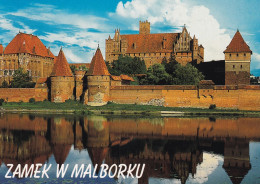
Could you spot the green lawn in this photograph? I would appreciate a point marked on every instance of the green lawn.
(77, 107)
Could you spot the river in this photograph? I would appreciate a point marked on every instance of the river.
(173, 149)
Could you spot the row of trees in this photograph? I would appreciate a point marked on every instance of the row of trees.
(169, 72)
(80, 68)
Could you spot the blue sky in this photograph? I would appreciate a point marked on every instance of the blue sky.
(78, 26)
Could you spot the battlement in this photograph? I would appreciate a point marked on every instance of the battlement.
(144, 27)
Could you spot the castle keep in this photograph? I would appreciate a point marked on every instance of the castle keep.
(153, 47)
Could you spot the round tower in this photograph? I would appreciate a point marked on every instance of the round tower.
(62, 80)
(98, 81)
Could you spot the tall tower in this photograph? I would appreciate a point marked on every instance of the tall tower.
(144, 27)
(195, 48)
(237, 61)
(98, 79)
(62, 80)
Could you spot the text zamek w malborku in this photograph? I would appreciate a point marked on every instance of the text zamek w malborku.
(78, 171)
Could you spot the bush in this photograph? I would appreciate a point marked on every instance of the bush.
(1, 101)
(4, 84)
(32, 100)
(212, 106)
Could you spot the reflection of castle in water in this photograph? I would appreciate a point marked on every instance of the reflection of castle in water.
(171, 148)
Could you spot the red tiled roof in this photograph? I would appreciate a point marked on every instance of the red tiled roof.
(27, 43)
(116, 78)
(206, 82)
(61, 66)
(98, 65)
(147, 43)
(41, 80)
(126, 77)
(237, 44)
(1, 49)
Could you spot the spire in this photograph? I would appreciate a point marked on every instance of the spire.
(238, 44)
(98, 65)
(61, 66)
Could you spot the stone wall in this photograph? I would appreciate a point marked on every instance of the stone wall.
(232, 97)
(23, 94)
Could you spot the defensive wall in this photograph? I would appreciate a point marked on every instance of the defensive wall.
(232, 97)
(23, 94)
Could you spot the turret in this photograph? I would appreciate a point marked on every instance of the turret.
(98, 79)
(194, 48)
(62, 80)
(144, 27)
(237, 61)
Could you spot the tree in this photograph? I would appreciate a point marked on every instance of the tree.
(156, 75)
(4, 84)
(73, 68)
(83, 68)
(127, 65)
(21, 79)
(186, 75)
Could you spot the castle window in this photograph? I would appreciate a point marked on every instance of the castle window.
(229, 55)
(237, 55)
(241, 66)
(245, 54)
(233, 66)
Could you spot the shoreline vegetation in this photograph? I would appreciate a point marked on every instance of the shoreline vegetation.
(74, 107)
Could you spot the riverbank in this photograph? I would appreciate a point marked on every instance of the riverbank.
(73, 107)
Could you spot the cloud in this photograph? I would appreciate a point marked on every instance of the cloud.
(208, 166)
(255, 61)
(175, 13)
(78, 33)
(11, 30)
(52, 15)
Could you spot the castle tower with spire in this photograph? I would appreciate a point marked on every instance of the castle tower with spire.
(62, 80)
(237, 61)
(98, 79)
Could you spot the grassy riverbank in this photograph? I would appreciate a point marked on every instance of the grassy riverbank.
(111, 108)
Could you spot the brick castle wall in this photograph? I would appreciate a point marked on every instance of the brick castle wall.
(232, 97)
(23, 94)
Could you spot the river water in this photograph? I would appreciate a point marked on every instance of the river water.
(173, 149)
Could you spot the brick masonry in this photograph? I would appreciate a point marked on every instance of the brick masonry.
(23, 94)
(230, 97)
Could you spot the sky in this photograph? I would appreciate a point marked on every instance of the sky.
(79, 26)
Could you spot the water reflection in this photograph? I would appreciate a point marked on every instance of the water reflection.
(171, 148)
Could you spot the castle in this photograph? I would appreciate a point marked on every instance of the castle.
(98, 86)
(153, 48)
(28, 52)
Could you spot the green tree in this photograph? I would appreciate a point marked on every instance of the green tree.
(83, 68)
(156, 75)
(4, 84)
(186, 75)
(21, 79)
(73, 68)
(127, 65)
